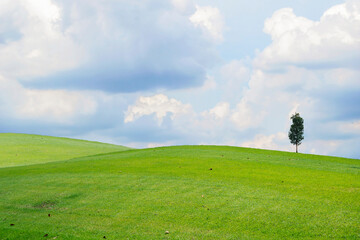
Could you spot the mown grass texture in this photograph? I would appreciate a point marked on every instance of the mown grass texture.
(25, 149)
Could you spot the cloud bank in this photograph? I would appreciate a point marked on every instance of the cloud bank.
(113, 46)
(334, 41)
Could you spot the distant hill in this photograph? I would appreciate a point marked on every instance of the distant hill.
(25, 149)
(182, 192)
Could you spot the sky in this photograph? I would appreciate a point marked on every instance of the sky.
(180, 72)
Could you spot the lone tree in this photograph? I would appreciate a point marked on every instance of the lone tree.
(296, 133)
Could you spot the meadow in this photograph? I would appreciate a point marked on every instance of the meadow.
(179, 192)
(23, 149)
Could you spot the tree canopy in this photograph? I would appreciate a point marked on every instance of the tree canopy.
(296, 133)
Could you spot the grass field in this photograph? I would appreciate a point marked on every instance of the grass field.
(24, 149)
(193, 192)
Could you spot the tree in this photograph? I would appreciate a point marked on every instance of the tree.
(296, 133)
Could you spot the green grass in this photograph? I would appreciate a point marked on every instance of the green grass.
(140, 194)
(24, 149)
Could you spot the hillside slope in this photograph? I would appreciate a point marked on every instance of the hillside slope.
(25, 149)
(193, 192)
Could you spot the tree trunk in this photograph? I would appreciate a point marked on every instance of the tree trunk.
(296, 148)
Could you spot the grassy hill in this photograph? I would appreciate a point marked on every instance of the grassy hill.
(193, 192)
(24, 149)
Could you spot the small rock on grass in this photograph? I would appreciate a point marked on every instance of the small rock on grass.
(167, 232)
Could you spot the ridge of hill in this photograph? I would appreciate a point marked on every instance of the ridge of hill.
(24, 149)
(183, 192)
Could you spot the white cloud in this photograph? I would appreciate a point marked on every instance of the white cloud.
(209, 84)
(273, 141)
(45, 10)
(349, 11)
(235, 72)
(54, 106)
(352, 127)
(323, 147)
(159, 105)
(219, 112)
(210, 20)
(343, 78)
(41, 47)
(246, 116)
(332, 41)
(184, 6)
(10, 95)
(94, 45)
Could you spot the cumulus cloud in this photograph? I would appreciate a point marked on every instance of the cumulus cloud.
(210, 20)
(32, 43)
(61, 113)
(247, 116)
(333, 41)
(112, 46)
(184, 6)
(235, 72)
(274, 141)
(160, 105)
(54, 106)
(219, 125)
(220, 111)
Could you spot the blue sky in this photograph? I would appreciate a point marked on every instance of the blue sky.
(172, 72)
